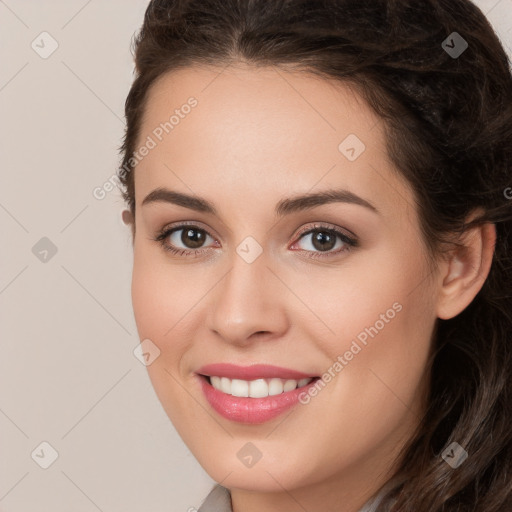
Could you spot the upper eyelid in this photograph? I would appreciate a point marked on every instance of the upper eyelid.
(326, 226)
(184, 224)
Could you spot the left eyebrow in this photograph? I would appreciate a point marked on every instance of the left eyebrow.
(307, 201)
(284, 207)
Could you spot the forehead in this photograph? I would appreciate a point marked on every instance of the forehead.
(256, 131)
(265, 101)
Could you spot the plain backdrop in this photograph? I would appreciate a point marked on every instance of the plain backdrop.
(69, 377)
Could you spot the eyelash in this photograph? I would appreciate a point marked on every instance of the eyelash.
(350, 242)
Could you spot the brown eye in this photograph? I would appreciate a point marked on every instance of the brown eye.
(323, 240)
(183, 240)
(192, 237)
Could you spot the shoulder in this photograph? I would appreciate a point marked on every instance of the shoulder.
(218, 500)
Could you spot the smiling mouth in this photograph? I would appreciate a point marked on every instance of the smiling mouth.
(258, 388)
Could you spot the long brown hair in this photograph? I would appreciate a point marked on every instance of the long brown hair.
(449, 133)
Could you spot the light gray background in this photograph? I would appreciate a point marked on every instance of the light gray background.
(68, 373)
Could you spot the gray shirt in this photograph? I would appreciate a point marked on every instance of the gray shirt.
(219, 500)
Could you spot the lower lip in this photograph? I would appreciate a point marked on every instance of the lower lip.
(251, 410)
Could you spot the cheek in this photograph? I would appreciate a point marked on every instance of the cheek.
(160, 315)
(154, 302)
(372, 290)
(378, 314)
(147, 303)
(159, 291)
(166, 301)
(381, 331)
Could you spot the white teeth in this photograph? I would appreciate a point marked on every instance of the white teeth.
(259, 388)
(275, 387)
(239, 387)
(225, 385)
(289, 385)
(215, 381)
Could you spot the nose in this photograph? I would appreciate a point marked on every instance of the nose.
(248, 303)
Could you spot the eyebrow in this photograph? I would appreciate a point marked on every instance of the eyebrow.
(283, 207)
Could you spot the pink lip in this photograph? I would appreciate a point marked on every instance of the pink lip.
(247, 409)
(253, 372)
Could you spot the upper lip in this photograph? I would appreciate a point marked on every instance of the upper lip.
(253, 372)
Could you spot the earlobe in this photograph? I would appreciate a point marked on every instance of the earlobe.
(465, 270)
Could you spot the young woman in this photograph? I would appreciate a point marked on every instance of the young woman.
(320, 197)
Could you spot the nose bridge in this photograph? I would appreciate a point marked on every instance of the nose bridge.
(246, 300)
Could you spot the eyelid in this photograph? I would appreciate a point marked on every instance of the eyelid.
(175, 226)
(327, 226)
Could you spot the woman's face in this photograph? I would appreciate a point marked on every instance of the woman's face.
(266, 281)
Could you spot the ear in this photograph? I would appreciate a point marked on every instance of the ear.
(127, 217)
(464, 270)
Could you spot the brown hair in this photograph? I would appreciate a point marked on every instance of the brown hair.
(449, 133)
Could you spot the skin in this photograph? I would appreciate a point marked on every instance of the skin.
(258, 136)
